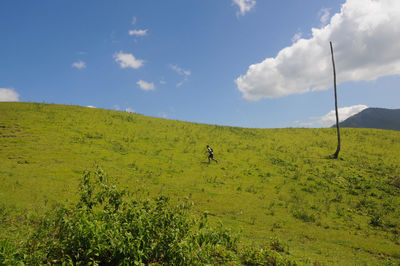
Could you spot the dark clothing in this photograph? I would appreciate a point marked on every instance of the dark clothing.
(210, 152)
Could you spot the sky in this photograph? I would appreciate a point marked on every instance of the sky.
(246, 63)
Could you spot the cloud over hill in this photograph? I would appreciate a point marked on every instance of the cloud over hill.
(365, 36)
(8, 95)
(345, 112)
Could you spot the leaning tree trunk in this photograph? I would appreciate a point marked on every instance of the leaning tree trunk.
(336, 154)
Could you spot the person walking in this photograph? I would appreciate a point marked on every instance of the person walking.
(211, 154)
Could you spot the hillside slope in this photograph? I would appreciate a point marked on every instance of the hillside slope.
(268, 182)
(379, 118)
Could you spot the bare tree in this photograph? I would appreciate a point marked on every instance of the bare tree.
(336, 154)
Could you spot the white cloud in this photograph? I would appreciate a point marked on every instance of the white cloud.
(79, 64)
(146, 86)
(330, 118)
(365, 36)
(138, 32)
(297, 37)
(91, 106)
(8, 95)
(127, 60)
(163, 82)
(163, 115)
(324, 15)
(182, 72)
(129, 110)
(133, 20)
(244, 6)
(179, 84)
(179, 70)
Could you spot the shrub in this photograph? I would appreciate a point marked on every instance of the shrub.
(396, 182)
(264, 256)
(106, 228)
(303, 215)
(9, 254)
(376, 220)
(277, 245)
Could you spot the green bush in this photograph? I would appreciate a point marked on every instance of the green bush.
(376, 220)
(264, 256)
(9, 254)
(303, 215)
(105, 228)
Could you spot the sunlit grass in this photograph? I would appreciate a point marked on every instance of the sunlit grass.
(268, 182)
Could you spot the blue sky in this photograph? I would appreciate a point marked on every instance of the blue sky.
(190, 60)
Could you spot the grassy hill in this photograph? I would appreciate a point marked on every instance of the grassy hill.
(268, 182)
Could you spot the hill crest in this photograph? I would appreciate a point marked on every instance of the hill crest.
(378, 118)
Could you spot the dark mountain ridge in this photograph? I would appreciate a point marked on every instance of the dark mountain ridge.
(379, 118)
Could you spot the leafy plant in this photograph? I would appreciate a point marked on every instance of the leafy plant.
(376, 220)
(303, 215)
(104, 227)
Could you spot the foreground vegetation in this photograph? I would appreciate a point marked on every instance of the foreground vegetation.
(104, 228)
(273, 183)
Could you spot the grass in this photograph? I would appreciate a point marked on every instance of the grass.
(269, 183)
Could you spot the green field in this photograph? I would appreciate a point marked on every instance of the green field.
(268, 182)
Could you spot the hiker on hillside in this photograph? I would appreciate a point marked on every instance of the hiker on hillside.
(211, 154)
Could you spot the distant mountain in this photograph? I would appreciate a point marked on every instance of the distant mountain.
(380, 118)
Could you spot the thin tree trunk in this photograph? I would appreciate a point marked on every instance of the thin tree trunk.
(336, 154)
